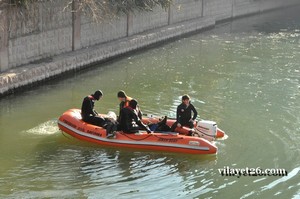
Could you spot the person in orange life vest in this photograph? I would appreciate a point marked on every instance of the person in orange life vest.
(184, 114)
(124, 102)
(129, 120)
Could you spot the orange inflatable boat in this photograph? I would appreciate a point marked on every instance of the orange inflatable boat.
(204, 128)
(70, 122)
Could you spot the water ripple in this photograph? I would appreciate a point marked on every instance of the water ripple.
(46, 128)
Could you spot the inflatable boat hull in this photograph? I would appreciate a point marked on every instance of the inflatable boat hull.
(70, 122)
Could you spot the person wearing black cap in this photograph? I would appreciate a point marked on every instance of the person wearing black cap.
(90, 115)
(129, 120)
(124, 102)
(184, 114)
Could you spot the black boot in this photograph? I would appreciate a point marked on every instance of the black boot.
(111, 130)
(163, 121)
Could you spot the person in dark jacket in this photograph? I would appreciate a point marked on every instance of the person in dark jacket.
(90, 115)
(184, 114)
(129, 120)
(124, 102)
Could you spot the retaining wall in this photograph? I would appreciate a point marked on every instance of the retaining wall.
(42, 31)
(182, 10)
(142, 21)
(220, 9)
(93, 33)
(46, 40)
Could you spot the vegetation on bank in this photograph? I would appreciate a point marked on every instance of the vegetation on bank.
(100, 9)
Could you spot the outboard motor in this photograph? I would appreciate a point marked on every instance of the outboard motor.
(206, 128)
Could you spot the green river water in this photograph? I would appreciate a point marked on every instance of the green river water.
(245, 75)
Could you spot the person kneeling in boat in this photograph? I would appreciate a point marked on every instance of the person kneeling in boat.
(124, 102)
(184, 114)
(129, 120)
(90, 115)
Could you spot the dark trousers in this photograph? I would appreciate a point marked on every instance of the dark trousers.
(188, 124)
(111, 126)
(95, 120)
(108, 124)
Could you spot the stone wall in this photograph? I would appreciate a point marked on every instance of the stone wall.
(182, 10)
(44, 30)
(220, 9)
(47, 29)
(273, 4)
(3, 39)
(31, 73)
(93, 33)
(141, 21)
(46, 40)
(246, 7)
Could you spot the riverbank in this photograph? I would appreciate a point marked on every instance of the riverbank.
(50, 68)
(31, 64)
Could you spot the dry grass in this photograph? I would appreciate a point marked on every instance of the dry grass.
(100, 10)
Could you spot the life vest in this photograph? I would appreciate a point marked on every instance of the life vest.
(131, 109)
(92, 100)
(127, 100)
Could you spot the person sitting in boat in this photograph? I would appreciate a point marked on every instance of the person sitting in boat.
(129, 120)
(184, 114)
(90, 115)
(124, 102)
(160, 126)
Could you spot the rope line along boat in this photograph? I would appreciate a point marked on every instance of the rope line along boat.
(70, 122)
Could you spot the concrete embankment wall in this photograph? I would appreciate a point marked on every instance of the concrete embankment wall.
(45, 40)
